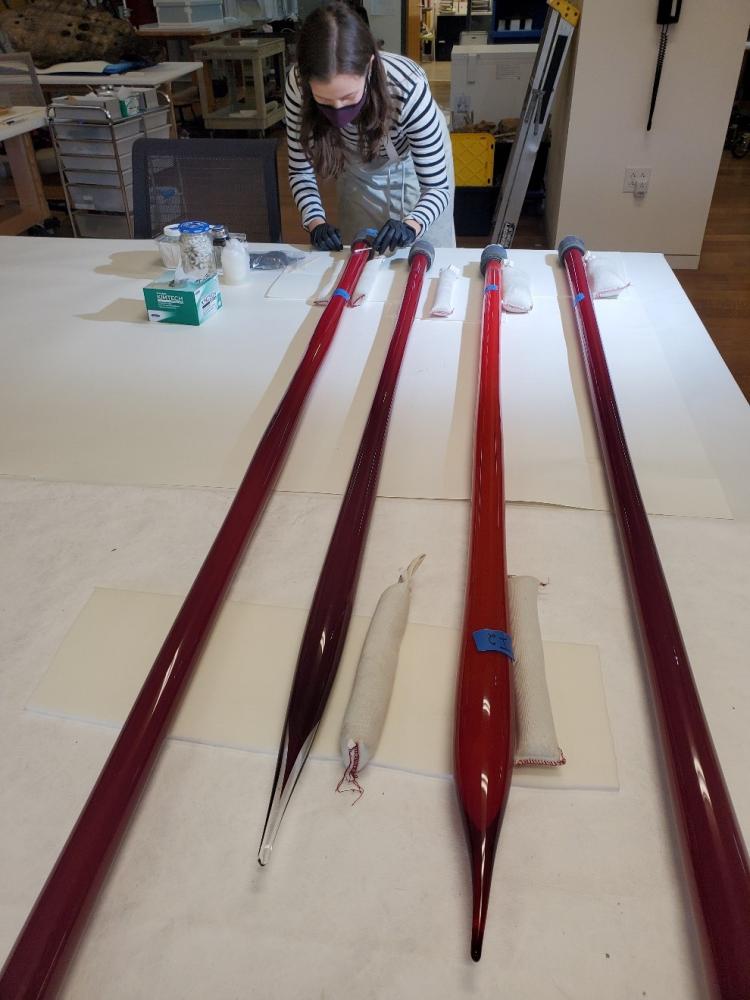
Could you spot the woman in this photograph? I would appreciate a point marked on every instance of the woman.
(368, 119)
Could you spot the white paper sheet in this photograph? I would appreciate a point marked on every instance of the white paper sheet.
(90, 391)
(312, 279)
(676, 476)
(239, 692)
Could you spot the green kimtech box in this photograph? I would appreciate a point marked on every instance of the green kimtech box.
(190, 303)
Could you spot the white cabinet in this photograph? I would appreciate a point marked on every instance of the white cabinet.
(489, 82)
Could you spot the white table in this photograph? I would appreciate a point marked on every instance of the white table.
(15, 128)
(152, 76)
(161, 76)
(199, 29)
(371, 901)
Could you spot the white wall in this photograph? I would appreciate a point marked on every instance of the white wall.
(599, 124)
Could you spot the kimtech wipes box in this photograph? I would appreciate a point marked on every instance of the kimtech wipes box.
(189, 302)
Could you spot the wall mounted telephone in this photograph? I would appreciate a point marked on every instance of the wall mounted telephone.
(668, 12)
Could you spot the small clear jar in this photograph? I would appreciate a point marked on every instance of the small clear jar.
(219, 238)
(197, 250)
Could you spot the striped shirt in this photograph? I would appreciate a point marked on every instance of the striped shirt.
(416, 130)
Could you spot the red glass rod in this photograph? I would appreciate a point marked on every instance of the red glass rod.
(713, 850)
(484, 736)
(39, 956)
(331, 609)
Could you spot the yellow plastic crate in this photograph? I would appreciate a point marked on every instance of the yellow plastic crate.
(473, 158)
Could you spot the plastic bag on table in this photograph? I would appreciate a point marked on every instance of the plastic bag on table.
(273, 260)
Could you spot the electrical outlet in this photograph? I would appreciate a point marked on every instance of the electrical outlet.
(636, 180)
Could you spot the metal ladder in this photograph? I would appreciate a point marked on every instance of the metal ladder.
(562, 18)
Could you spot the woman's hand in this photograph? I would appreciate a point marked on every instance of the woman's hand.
(323, 236)
(395, 234)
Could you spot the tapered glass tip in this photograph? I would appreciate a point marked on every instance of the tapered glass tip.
(284, 784)
(264, 854)
(476, 947)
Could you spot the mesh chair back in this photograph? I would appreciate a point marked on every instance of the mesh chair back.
(228, 181)
(19, 85)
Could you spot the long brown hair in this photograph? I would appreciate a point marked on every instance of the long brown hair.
(335, 40)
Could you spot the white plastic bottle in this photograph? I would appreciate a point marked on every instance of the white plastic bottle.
(234, 263)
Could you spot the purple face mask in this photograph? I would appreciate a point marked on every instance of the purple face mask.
(341, 117)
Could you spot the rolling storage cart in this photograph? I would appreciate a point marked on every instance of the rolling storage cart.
(94, 147)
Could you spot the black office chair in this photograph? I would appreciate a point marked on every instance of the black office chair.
(228, 181)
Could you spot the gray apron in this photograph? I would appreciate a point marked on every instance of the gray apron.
(387, 188)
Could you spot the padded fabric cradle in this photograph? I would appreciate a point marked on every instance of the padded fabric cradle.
(229, 181)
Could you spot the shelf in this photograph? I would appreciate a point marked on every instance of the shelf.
(243, 118)
(530, 13)
(517, 36)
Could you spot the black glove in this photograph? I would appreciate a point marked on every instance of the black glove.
(393, 234)
(325, 237)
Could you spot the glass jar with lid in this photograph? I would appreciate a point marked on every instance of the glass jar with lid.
(197, 250)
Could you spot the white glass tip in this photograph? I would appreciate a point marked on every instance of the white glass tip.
(282, 792)
(264, 854)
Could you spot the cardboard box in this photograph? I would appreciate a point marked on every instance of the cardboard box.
(96, 107)
(191, 303)
(119, 102)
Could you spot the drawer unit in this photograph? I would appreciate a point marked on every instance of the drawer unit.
(102, 227)
(106, 147)
(101, 199)
(100, 178)
(90, 142)
(97, 162)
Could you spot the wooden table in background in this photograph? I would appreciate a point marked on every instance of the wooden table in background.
(255, 51)
(15, 127)
(178, 38)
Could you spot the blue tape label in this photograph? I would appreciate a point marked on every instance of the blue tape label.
(490, 288)
(343, 293)
(579, 298)
(493, 640)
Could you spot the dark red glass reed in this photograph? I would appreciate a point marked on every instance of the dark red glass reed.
(331, 609)
(484, 736)
(713, 849)
(39, 956)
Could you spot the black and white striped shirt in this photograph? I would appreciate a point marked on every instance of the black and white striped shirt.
(416, 129)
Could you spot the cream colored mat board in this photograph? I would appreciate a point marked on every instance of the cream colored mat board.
(313, 278)
(239, 692)
(92, 392)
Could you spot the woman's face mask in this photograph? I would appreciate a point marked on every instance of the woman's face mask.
(334, 98)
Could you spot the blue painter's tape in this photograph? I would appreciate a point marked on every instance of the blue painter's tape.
(493, 640)
(490, 288)
(579, 298)
(343, 293)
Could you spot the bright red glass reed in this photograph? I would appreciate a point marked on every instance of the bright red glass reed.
(714, 853)
(484, 736)
(40, 954)
(331, 609)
